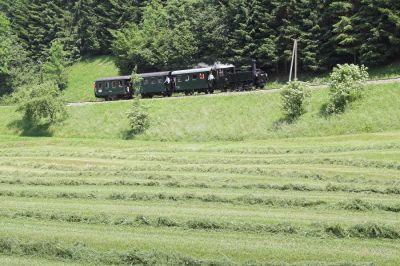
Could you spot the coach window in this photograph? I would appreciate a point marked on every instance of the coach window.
(179, 79)
(153, 81)
(194, 77)
(107, 85)
(114, 84)
(160, 80)
(187, 78)
(99, 85)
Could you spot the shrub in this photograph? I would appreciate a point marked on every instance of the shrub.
(346, 83)
(293, 97)
(139, 120)
(40, 104)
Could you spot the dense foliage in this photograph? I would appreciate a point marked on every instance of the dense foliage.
(139, 120)
(293, 97)
(160, 34)
(346, 83)
(40, 104)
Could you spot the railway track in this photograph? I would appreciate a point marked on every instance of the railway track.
(219, 94)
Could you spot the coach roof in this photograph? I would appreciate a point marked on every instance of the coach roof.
(154, 74)
(114, 78)
(190, 71)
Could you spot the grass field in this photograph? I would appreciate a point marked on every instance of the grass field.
(300, 200)
(214, 181)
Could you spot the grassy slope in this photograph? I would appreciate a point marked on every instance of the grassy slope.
(76, 190)
(82, 75)
(233, 117)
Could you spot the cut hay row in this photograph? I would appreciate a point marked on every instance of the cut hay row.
(330, 187)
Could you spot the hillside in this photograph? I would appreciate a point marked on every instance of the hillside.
(233, 117)
(82, 74)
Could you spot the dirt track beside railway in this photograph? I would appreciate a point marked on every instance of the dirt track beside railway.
(220, 94)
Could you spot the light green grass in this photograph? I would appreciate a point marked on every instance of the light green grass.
(75, 194)
(82, 75)
(233, 117)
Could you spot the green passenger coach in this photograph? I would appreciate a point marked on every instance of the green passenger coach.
(158, 83)
(113, 88)
(193, 80)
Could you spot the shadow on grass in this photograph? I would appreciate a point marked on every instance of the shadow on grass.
(284, 121)
(324, 112)
(127, 134)
(27, 128)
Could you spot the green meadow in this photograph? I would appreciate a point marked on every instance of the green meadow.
(319, 200)
(216, 180)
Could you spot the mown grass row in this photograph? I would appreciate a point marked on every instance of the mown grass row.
(351, 204)
(80, 253)
(365, 230)
(381, 178)
(125, 169)
(114, 152)
(227, 161)
(248, 186)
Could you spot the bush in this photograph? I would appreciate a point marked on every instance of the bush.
(139, 120)
(346, 83)
(293, 96)
(40, 104)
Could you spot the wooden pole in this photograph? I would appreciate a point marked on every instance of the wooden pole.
(291, 64)
(295, 63)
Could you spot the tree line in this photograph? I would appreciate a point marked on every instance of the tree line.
(167, 34)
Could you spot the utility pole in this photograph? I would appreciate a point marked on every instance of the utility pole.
(294, 62)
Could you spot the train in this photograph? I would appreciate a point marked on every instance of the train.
(222, 77)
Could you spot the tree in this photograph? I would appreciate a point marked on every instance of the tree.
(15, 66)
(6, 44)
(346, 83)
(40, 104)
(139, 120)
(293, 96)
(54, 69)
(135, 81)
